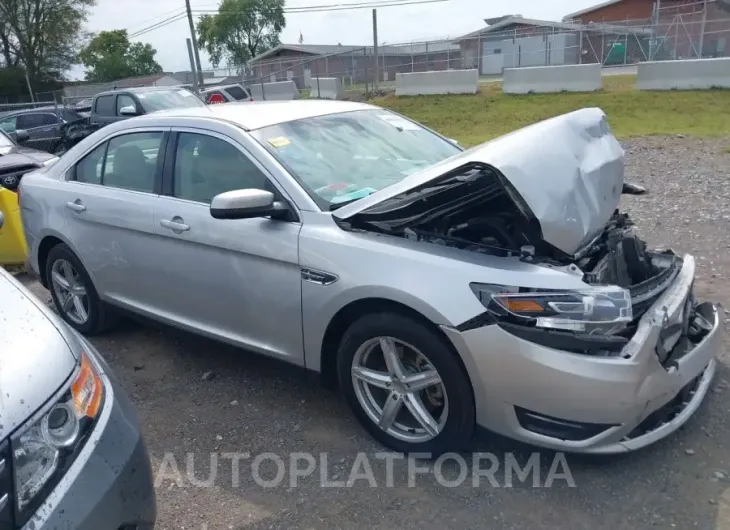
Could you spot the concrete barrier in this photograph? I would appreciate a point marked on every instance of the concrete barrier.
(274, 91)
(326, 88)
(684, 75)
(541, 79)
(439, 82)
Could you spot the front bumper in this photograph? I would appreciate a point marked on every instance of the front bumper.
(581, 403)
(109, 486)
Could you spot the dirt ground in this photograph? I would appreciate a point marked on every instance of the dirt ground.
(196, 397)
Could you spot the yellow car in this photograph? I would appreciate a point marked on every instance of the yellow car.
(15, 160)
(13, 250)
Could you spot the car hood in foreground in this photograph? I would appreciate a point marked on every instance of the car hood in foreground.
(568, 169)
(35, 357)
(17, 156)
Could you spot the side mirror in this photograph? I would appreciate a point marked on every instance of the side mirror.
(129, 110)
(21, 136)
(246, 204)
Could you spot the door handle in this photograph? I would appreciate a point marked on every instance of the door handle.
(174, 226)
(75, 206)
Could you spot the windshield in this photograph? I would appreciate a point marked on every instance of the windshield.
(168, 99)
(343, 157)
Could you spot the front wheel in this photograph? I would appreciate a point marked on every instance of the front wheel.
(405, 385)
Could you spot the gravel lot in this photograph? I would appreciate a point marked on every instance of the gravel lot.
(254, 405)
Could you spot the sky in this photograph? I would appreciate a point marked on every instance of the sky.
(397, 24)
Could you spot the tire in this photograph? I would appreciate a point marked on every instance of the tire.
(456, 428)
(100, 316)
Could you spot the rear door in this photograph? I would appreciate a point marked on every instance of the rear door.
(109, 200)
(43, 129)
(237, 280)
(104, 110)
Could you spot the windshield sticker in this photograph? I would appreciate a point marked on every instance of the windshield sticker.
(279, 141)
(353, 195)
(399, 123)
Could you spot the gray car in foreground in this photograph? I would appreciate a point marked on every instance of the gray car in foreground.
(442, 289)
(71, 453)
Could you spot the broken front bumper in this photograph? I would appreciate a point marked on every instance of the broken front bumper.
(583, 403)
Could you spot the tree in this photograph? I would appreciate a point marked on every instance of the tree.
(110, 56)
(42, 36)
(241, 29)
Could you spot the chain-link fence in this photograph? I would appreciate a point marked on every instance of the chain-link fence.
(698, 29)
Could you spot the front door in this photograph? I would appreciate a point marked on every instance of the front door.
(109, 210)
(236, 280)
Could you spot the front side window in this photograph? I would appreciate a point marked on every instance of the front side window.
(206, 166)
(130, 162)
(124, 100)
(342, 157)
(169, 99)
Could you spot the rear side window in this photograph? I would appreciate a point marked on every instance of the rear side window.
(105, 106)
(128, 161)
(31, 121)
(237, 93)
(90, 167)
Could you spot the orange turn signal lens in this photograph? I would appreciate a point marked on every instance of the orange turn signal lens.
(87, 389)
(517, 305)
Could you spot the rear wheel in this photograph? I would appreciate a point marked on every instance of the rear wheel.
(73, 292)
(405, 385)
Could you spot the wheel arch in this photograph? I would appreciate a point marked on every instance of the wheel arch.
(47, 242)
(355, 309)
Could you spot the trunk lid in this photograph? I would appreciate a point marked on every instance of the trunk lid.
(568, 169)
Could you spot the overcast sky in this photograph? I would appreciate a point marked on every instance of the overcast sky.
(352, 27)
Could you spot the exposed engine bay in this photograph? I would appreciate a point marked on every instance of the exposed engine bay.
(476, 209)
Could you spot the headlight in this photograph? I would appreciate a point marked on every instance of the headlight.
(594, 310)
(44, 450)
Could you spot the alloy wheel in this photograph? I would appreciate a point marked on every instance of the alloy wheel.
(70, 291)
(399, 389)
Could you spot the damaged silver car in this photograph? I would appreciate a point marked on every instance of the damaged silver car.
(444, 290)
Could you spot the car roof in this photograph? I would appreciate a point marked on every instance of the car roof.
(259, 114)
(140, 90)
(222, 87)
(49, 108)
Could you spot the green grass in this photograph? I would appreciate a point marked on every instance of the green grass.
(474, 119)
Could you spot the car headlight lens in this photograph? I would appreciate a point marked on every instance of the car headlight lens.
(600, 310)
(44, 450)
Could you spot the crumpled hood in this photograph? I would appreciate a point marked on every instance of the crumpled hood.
(35, 356)
(568, 169)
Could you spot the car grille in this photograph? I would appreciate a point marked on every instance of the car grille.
(6, 488)
(10, 178)
(558, 428)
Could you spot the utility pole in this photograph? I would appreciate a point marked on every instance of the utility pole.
(192, 66)
(375, 48)
(198, 70)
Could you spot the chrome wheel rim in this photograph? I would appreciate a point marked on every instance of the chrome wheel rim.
(70, 291)
(399, 389)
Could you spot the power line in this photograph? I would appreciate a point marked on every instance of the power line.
(177, 11)
(292, 10)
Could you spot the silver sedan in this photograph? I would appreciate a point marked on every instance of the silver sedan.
(442, 289)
